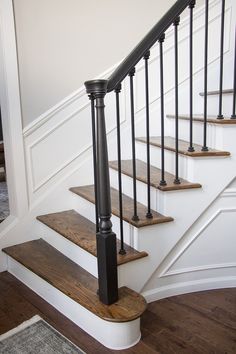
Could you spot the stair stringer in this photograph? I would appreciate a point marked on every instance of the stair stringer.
(204, 257)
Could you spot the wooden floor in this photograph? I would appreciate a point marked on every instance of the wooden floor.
(203, 323)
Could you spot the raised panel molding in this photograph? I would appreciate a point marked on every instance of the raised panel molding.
(180, 250)
(61, 136)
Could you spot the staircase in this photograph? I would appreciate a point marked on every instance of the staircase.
(93, 275)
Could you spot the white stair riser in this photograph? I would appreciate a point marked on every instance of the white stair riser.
(69, 249)
(127, 188)
(163, 202)
(214, 132)
(113, 335)
(155, 159)
(213, 105)
(87, 209)
(126, 272)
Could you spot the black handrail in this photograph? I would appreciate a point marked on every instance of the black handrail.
(146, 43)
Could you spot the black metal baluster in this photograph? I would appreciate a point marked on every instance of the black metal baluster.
(106, 239)
(92, 99)
(163, 181)
(122, 249)
(177, 180)
(220, 115)
(234, 93)
(205, 148)
(146, 58)
(191, 7)
(131, 75)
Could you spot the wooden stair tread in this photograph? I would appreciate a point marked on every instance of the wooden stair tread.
(211, 120)
(183, 147)
(87, 192)
(141, 174)
(75, 282)
(1, 147)
(217, 92)
(82, 232)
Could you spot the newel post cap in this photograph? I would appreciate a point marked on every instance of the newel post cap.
(96, 86)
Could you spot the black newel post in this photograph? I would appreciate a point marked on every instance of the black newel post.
(106, 239)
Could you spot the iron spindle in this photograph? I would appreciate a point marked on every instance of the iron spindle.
(234, 93)
(106, 239)
(117, 91)
(131, 75)
(177, 180)
(92, 99)
(191, 7)
(220, 115)
(163, 181)
(148, 214)
(205, 148)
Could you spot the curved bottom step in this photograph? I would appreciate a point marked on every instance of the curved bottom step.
(72, 291)
(113, 335)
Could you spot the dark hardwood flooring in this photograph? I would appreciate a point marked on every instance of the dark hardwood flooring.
(203, 322)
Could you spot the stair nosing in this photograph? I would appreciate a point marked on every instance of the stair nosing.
(210, 153)
(166, 188)
(200, 119)
(137, 224)
(120, 258)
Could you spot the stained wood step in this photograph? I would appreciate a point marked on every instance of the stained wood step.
(141, 174)
(217, 92)
(82, 232)
(1, 147)
(75, 282)
(211, 120)
(183, 147)
(87, 192)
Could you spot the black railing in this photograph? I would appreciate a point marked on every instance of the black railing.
(97, 89)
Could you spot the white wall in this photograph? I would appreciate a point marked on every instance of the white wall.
(62, 43)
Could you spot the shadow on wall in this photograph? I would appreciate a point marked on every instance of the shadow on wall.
(4, 204)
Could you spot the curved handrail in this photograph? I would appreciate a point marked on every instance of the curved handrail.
(146, 43)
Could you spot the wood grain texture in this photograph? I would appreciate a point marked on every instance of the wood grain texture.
(75, 282)
(183, 147)
(164, 332)
(217, 92)
(210, 120)
(87, 192)
(141, 175)
(82, 232)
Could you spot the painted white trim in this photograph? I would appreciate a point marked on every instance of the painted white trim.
(179, 249)
(189, 287)
(11, 112)
(67, 101)
(198, 268)
(229, 192)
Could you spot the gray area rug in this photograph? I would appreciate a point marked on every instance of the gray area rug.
(4, 205)
(36, 337)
